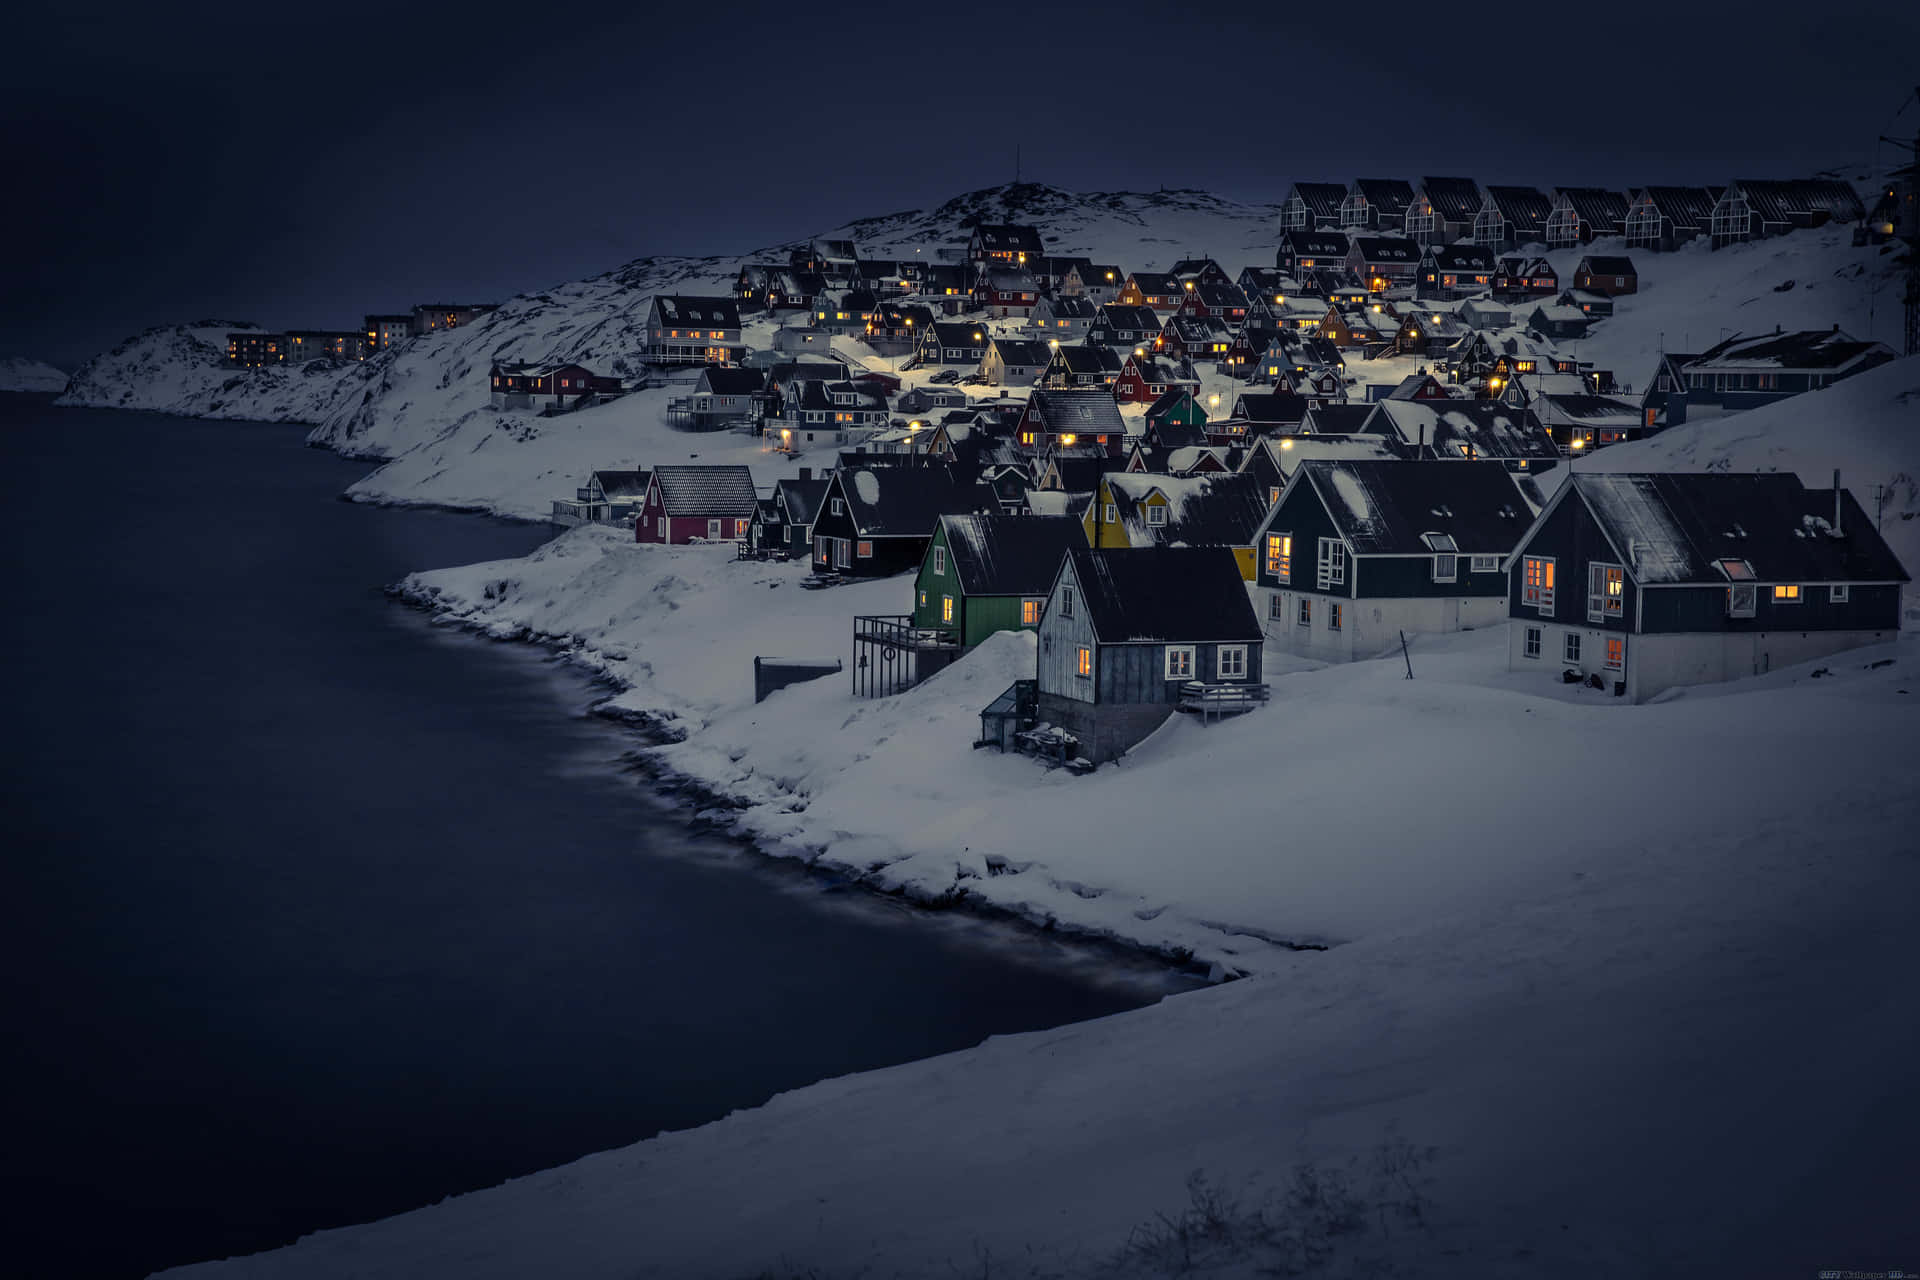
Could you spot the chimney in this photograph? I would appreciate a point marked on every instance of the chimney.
(806, 473)
(1837, 531)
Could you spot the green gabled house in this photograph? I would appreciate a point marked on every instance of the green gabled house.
(988, 573)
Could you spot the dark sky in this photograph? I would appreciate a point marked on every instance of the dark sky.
(279, 164)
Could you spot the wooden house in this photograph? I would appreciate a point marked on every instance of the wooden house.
(1638, 583)
(1467, 431)
(1486, 313)
(951, 344)
(1381, 262)
(1159, 290)
(1664, 218)
(608, 497)
(1145, 378)
(1749, 370)
(1100, 283)
(876, 520)
(1596, 306)
(723, 397)
(1014, 362)
(1377, 205)
(1312, 206)
(1511, 216)
(1054, 270)
(984, 574)
(1119, 325)
(846, 312)
(1450, 271)
(683, 329)
(1063, 419)
(1210, 507)
(1004, 245)
(544, 388)
(895, 327)
(1611, 274)
(1311, 250)
(1582, 214)
(1221, 299)
(1756, 209)
(1199, 271)
(1005, 291)
(696, 504)
(1062, 319)
(1664, 402)
(1557, 320)
(1443, 210)
(1581, 422)
(1074, 366)
(1194, 338)
(1126, 637)
(1356, 552)
(928, 400)
(784, 523)
(1519, 279)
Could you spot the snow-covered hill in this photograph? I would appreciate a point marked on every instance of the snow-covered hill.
(19, 373)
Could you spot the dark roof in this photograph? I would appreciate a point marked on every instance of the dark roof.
(1268, 407)
(1219, 294)
(997, 555)
(1079, 474)
(1078, 358)
(1685, 207)
(1526, 208)
(1155, 283)
(906, 501)
(1817, 349)
(1339, 419)
(705, 491)
(950, 333)
(1129, 316)
(622, 484)
(1607, 265)
(1462, 257)
(1022, 351)
(1674, 527)
(1388, 195)
(728, 381)
(1192, 329)
(1454, 199)
(1091, 411)
(1072, 307)
(1603, 210)
(1387, 508)
(1315, 244)
(1322, 198)
(683, 309)
(1387, 249)
(1458, 429)
(1152, 595)
(1777, 201)
(1212, 509)
(803, 498)
(1007, 237)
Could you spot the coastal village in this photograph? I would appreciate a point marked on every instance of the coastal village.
(1177, 479)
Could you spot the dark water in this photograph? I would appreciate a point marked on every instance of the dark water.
(315, 913)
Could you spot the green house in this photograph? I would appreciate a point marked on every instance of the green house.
(989, 573)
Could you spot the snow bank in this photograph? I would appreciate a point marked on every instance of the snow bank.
(17, 373)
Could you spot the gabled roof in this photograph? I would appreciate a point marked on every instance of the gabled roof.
(1337, 419)
(1071, 307)
(905, 501)
(1268, 408)
(678, 308)
(1316, 244)
(1129, 316)
(1007, 237)
(1589, 410)
(1524, 208)
(1454, 199)
(1686, 207)
(1388, 195)
(998, 555)
(1387, 249)
(1091, 411)
(1464, 258)
(1021, 351)
(1321, 198)
(949, 333)
(1818, 350)
(1603, 210)
(1218, 294)
(723, 380)
(1157, 595)
(1214, 509)
(1782, 201)
(1457, 429)
(1190, 268)
(618, 485)
(1192, 329)
(1153, 284)
(705, 491)
(1083, 360)
(1601, 264)
(1673, 528)
(1387, 508)
(802, 498)
(1102, 273)
(1012, 280)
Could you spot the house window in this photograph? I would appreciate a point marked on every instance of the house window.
(1333, 616)
(946, 608)
(660, 527)
(1486, 564)
(1085, 664)
(1333, 563)
(1532, 649)
(1029, 613)
(865, 551)
(1066, 602)
(1536, 583)
(1786, 593)
(1306, 613)
(1179, 662)
(740, 528)
(1837, 593)
(1277, 607)
(1280, 555)
(1570, 647)
(1446, 568)
(841, 557)
(1616, 652)
(1112, 513)
(1606, 591)
(1156, 515)
(839, 507)
(940, 560)
(1233, 662)
(923, 599)
(1742, 600)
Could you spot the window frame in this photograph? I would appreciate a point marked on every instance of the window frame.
(1304, 615)
(1157, 509)
(1446, 566)
(1788, 593)
(1536, 591)
(1570, 647)
(1614, 653)
(1604, 601)
(946, 608)
(1066, 601)
(1483, 564)
(1230, 662)
(1332, 564)
(1034, 606)
(1335, 617)
(1839, 592)
(1083, 664)
(940, 561)
(1531, 642)
(864, 550)
(1280, 556)
(1179, 670)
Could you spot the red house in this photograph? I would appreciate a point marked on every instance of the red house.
(713, 504)
(1144, 379)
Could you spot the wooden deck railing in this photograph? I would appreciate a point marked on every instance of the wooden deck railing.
(1215, 700)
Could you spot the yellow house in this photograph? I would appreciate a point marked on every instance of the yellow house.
(1134, 509)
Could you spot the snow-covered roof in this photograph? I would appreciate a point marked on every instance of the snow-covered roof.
(1155, 595)
(1389, 507)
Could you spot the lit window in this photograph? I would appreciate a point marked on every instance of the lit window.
(1616, 652)
(1787, 593)
(1536, 583)
(1085, 667)
(1029, 613)
(1606, 591)
(946, 608)
(1280, 555)
(1179, 662)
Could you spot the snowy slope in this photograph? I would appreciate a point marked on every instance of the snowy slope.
(18, 373)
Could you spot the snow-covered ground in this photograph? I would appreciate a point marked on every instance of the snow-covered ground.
(19, 373)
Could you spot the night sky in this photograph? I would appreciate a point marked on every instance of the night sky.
(282, 165)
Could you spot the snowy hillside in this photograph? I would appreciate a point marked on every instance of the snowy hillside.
(17, 373)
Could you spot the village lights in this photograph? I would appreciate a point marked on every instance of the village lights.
(1287, 443)
(1579, 442)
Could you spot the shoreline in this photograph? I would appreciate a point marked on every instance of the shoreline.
(699, 805)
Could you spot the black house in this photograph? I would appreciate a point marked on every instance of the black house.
(1641, 582)
(875, 520)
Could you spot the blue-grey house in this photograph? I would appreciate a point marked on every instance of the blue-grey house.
(1749, 370)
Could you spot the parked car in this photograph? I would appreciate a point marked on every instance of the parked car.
(946, 377)
(974, 380)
